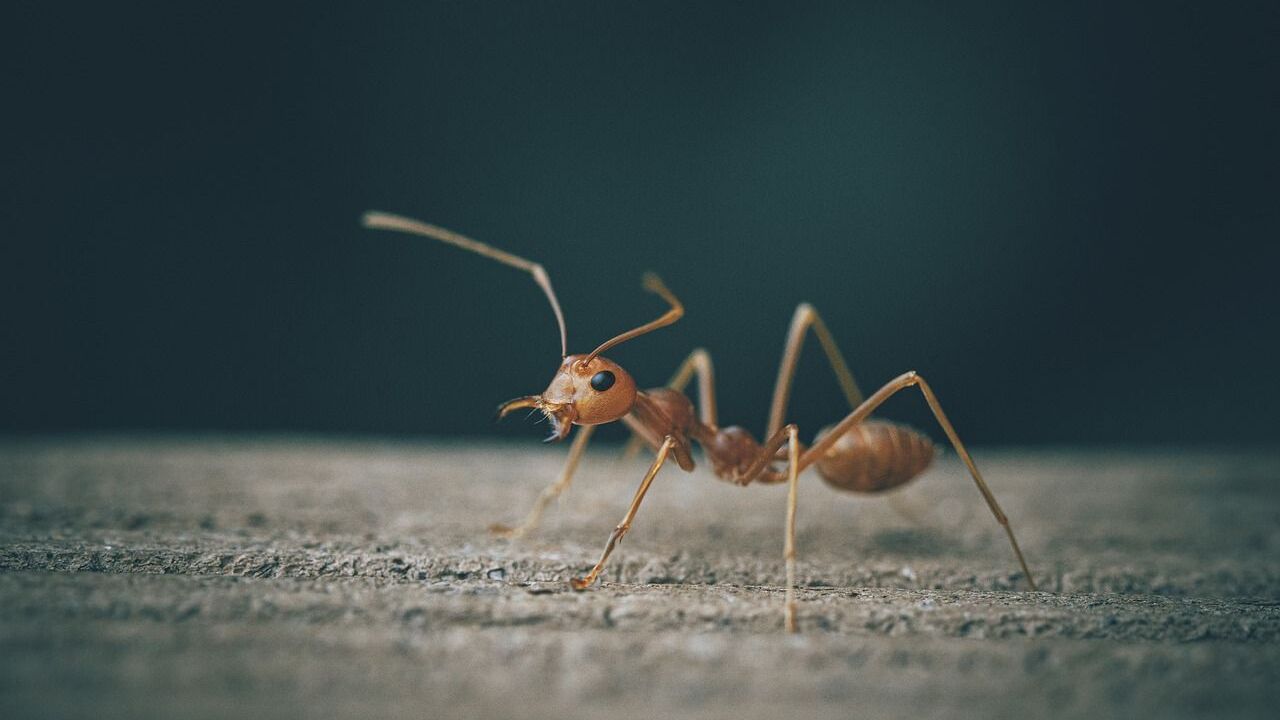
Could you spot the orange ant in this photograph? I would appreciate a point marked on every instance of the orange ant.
(854, 455)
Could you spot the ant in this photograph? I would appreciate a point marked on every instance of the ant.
(855, 455)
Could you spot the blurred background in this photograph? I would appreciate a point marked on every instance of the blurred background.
(1065, 218)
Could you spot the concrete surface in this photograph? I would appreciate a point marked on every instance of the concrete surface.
(286, 577)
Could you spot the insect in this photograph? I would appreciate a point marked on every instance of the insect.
(856, 454)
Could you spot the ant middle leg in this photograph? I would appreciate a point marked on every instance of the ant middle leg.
(805, 318)
(552, 491)
(789, 544)
(760, 469)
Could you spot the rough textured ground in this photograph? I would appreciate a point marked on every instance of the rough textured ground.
(311, 578)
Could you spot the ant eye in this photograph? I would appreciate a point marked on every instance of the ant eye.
(602, 380)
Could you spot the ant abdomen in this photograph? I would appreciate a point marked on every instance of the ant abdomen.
(874, 456)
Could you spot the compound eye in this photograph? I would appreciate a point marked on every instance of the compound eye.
(602, 381)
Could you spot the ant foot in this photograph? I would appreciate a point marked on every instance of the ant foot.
(503, 531)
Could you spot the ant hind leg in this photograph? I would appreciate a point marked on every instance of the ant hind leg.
(806, 319)
(902, 382)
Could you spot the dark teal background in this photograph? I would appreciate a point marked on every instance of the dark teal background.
(1065, 217)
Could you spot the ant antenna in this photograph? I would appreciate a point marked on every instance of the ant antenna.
(653, 284)
(386, 221)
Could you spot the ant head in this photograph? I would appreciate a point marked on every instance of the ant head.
(586, 390)
(591, 389)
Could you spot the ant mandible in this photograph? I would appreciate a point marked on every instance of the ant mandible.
(854, 455)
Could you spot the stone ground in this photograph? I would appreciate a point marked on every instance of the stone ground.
(302, 577)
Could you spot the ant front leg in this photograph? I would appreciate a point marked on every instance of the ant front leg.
(616, 536)
(913, 379)
(552, 491)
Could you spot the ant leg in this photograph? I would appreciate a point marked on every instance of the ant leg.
(767, 454)
(615, 537)
(552, 491)
(906, 380)
(699, 361)
(805, 318)
(789, 545)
